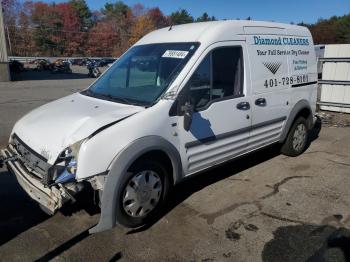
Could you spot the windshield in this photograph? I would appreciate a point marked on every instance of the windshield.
(143, 73)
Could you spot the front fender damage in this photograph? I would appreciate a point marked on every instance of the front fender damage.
(121, 165)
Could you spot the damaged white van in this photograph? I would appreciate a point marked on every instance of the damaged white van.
(181, 100)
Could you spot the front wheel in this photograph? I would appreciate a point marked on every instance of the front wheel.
(143, 191)
(297, 138)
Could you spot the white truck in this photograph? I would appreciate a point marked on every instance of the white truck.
(181, 100)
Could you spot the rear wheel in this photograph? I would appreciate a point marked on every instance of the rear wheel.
(142, 193)
(297, 138)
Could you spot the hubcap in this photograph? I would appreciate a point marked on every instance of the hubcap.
(299, 137)
(142, 193)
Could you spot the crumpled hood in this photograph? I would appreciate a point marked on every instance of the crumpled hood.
(51, 128)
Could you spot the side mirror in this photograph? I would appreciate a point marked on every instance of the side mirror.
(187, 110)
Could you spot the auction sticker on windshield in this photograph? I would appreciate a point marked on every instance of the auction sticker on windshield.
(175, 54)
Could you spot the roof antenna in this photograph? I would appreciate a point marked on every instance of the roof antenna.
(171, 27)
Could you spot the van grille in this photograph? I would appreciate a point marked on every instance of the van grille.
(33, 161)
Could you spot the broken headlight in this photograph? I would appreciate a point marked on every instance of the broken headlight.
(69, 157)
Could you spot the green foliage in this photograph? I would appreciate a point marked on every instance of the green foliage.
(205, 18)
(335, 30)
(343, 29)
(181, 16)
(83, 11)
(117, 10)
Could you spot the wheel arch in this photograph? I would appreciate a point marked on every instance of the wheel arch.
(301, 108)
(161, 156)
(142, 147)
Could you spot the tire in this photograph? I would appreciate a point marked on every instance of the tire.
(297, 139)
(127, 212)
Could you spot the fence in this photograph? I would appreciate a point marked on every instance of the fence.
(335, 82)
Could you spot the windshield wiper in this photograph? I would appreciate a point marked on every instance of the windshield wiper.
(88, 92)
(122, 99)
(114, 98)
(110, 97)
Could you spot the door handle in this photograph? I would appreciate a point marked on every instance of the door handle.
(243, 106)
(260, 102)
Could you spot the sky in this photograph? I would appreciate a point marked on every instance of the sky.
(308, 11)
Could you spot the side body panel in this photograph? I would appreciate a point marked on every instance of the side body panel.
(283, 66)
(303, 68)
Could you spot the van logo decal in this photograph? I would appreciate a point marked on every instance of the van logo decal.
(273, 66)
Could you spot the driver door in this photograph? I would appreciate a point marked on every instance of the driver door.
(221, 121)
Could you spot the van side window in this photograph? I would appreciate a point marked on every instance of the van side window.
(199, 84)
(219, 76)
(227, 72)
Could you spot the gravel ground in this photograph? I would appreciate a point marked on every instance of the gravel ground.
(263, 207)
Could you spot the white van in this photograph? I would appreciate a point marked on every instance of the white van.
(181, 100)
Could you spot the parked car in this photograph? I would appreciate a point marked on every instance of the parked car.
(16, 66)
(220, 90)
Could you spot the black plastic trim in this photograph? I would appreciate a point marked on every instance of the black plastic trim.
(304, 84)
(233, 133)
(28, 148)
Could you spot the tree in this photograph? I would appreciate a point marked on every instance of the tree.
(205, 18)
(181, 17)
(69, 37)
(83, 11)
(142, 26)
(323, 33)
(25, 44)
(11, 10)
(57, 29)
(103, 39)
(122, 16)
(343, 29)
(118, 10)
(158, 18)
(138, 10)
(41, 17)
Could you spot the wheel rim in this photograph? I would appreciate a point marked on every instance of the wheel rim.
(299, 137)
(142, 193)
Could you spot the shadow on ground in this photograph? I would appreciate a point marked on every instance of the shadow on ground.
(45, 75)
(312, 243)
(18, 212)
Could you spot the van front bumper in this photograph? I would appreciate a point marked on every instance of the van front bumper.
(50, 198)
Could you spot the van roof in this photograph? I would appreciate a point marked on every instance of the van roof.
(210, 32)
